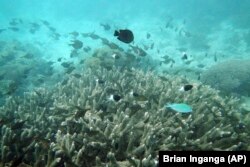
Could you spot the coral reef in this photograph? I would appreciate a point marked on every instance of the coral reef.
(22, 68)
(76, 124)
(231, 76)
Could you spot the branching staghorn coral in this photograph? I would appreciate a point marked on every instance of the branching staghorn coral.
(77, 124)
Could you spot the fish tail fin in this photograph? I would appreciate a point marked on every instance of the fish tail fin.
(116, 33)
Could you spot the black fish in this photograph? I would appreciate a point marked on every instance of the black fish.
(116, 56)
(135, 94)
(125, 36)
(116, 97)
(100, 81)
(186, 87)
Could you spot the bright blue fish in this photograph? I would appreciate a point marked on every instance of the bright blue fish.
(180, 107)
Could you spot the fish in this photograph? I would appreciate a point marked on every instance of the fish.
(82, 61)
(184, 22)
(66, 64)
(65, 81)
(152, 46)
(184, 56)
(138, 51)
(91, 35)
(112, 45)
(167, 59)
(74, 33)
(115, 98)
(104, 41)
(241, 125)
(53, 29)
(188, 61)
(14, 29)
(134, 94)
(28, 56)
(35, 25)
(70, 69)
(2, 30)
(187, 34)
(199, 77)
(186, 87)
(125, 35)
(182, 49)
(116, 56)
(145, 47)
(18, 125)
(180, 107)
(87, 49)
(148, 36)
(94, 36)
(138, 97)
(56, 36)
(105, 26)
(201, 65)
(46, 23)
(77, 75)
(77, 44)
(215, 57)
(15, 21)
(100, 81)
(32, 31)
(74, 53)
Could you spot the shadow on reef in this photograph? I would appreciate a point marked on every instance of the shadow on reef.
(78, 124)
